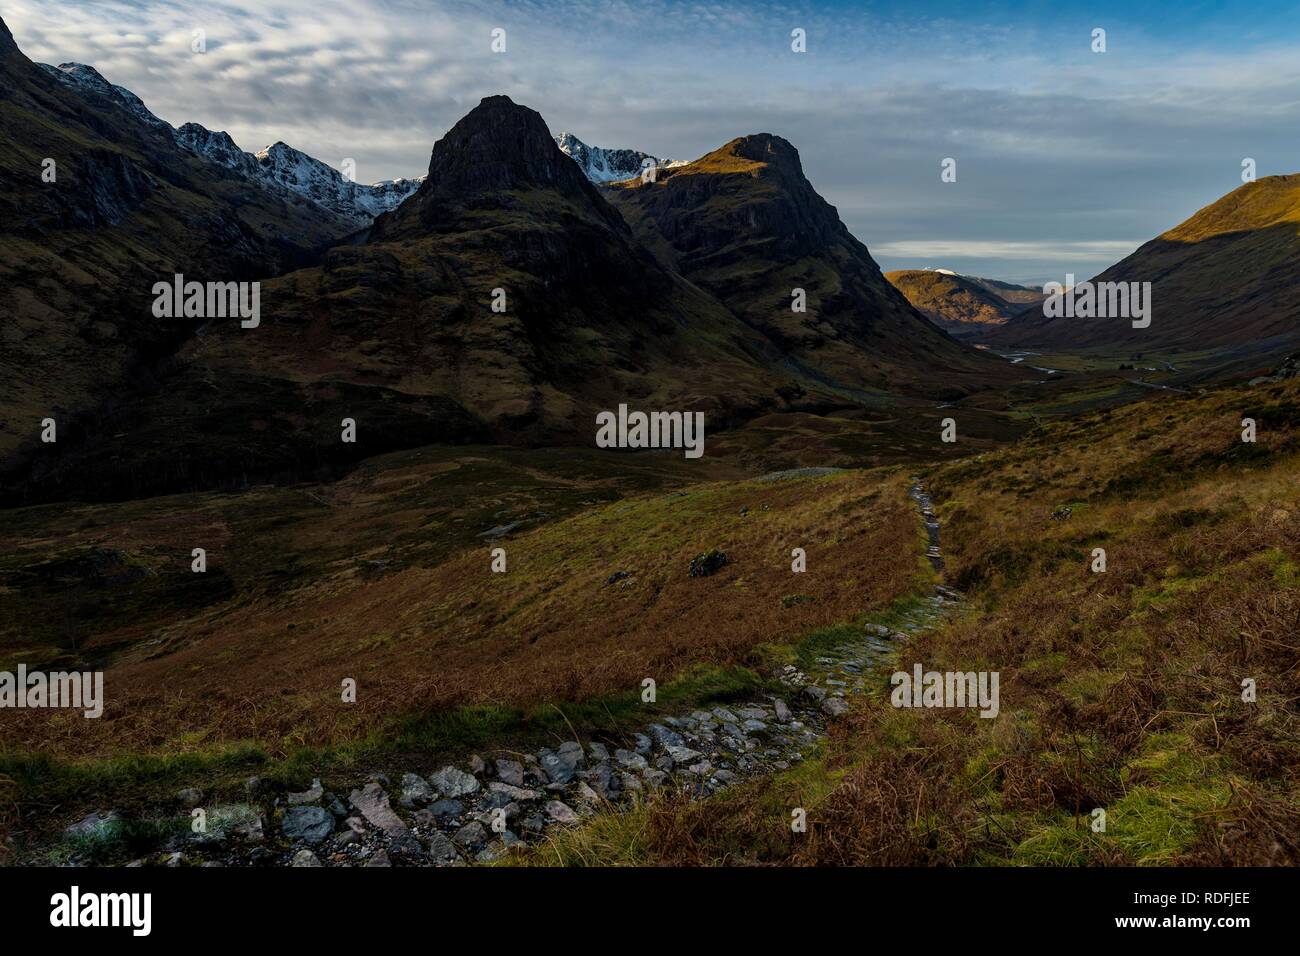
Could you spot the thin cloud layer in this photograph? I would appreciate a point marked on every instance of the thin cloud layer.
(1066, 159)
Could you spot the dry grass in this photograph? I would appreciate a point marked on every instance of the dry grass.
(267, 667)
(1120, 691)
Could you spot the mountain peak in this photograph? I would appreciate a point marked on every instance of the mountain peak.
(499, 145)
(766, 148)
(497, 149)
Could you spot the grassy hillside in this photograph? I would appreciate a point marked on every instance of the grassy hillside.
(1224, 278)
(1120, 690)
(952, 302)
(590, 604)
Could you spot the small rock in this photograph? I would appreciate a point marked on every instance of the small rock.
(835, 707)
(93, 824)
(442, 851)
(372, 802)
(379, 858)
(453, 782)
(415, 790)
(630, 760)
(560, 812)
(305, 858)
(513, 792)
(470, 835)
(666, 738)
(559, 767)
(440, 811)
(312, 794)
(309, 824)
(511, 772)
(683, 754)
(190, 797)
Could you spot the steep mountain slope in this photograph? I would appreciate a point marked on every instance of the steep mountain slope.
(1225, 278)
(607, 165)
(398, 332)
(745, 224)
(96, 205)
(952, 302)
(278, 167)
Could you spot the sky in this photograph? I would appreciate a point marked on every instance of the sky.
(1066, 159)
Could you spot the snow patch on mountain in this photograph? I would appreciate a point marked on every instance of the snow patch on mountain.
(278, 166)
(608, 165)
(82, 77)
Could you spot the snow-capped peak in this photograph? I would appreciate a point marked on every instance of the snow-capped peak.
(607, 165)
(278, 166)
(83, 77)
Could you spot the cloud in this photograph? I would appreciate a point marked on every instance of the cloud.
(1051, 140)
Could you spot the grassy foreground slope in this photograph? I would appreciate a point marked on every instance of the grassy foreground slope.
(1119, 690)
(448, 655)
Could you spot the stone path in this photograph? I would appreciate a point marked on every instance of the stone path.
(455, 815)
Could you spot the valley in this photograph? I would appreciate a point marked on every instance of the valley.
(531, 512)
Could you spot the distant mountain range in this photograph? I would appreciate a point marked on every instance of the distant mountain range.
(963, 305)
(279, 166)
(727, 286)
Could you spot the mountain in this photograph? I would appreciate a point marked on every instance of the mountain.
(1224, 279)
(279, 166)
(97, 203)
(508, 299)
(607, 165)
(960, 305)
(396, 330)
(1018, 296)
(744, 224)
